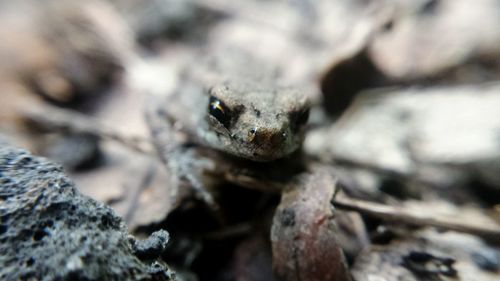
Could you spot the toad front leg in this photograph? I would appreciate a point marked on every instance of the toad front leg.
(303, 235)
(183, 163)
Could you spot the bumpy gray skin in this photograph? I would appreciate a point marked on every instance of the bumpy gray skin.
(49, 231)
(266, 116)
(263, 124)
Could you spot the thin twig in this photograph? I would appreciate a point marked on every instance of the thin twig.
(143, 185)
(404, 215)
(245, 11)
(51, 118)
(230, 231)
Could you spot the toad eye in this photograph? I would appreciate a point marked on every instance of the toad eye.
(300, 118)
(219, 111)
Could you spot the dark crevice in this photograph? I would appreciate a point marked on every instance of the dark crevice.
(346, 79)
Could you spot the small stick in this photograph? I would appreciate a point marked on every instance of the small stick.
(230, 231)
(403, 215)
(56, 119)
(243, 11)
(143, 185)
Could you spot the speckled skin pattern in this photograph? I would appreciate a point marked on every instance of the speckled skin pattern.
(264, 122)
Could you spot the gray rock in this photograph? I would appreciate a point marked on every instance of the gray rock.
(49, 231)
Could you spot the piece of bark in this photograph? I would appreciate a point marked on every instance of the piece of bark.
(455, 39)
(429, 255)
(303, 235)
(442, 136)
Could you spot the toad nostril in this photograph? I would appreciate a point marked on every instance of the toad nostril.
(252, 133)
(266, 136)
(277, 138)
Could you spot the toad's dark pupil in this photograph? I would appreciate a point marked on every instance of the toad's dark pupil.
(219, 110)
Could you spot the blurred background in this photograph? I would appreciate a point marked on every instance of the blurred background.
(406, 104)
